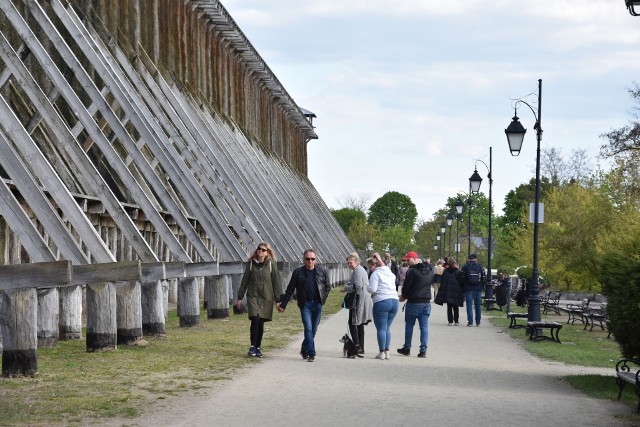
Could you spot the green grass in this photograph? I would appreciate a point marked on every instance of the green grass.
(579, 347)
(74, 387)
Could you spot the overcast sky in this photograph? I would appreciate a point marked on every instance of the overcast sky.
(410, 93)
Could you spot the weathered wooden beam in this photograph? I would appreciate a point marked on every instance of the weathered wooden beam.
(22, 227)
(37, 162)
(151, 271)
(106, 272)
(36, 275)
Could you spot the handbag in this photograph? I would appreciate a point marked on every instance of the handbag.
(350, 300)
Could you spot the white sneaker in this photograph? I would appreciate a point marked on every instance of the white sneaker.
(380, 355)
(386, 354)
(450, 324)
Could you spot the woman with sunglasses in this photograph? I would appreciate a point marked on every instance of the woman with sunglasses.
(262, 286)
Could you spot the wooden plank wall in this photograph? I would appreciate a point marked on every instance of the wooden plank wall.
(157, 121)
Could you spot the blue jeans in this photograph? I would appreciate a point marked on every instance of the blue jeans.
(475, 298)
(383, 314)
(310, 313)
(421, 312)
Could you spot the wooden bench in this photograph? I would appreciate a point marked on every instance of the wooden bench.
(551, 302)
(513, 316)
(593, 315)
(575, 311)
(534, 329)
(628, 372)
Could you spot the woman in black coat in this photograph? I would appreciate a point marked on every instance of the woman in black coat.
(451, 290)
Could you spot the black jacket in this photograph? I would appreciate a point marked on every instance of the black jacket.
(298, 283)
(451, 287)
(417, 284)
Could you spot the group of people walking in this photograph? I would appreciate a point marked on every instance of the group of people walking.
(379, 290)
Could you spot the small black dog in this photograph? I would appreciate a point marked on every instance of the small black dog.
(349, 350)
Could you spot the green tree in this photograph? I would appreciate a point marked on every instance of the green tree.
(391, 209)
(620, 278)
(399, 239)
(362, 234)
(347, 216)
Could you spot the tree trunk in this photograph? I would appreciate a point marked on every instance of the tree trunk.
(70, 314)
(217, 292)
(48, 309)
(19, 325)
(101, 317)
(129, 312)
(188, 303)
(153, 323)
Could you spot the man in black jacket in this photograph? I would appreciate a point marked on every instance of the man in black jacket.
(311, 283)
(416, 291)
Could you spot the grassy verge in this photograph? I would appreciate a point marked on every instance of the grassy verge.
(579, 347)
(74, 386)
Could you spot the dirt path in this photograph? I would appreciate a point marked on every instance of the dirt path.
(472, 375)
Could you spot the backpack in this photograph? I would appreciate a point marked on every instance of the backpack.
(473, 273)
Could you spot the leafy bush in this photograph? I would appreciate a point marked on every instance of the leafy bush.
(620, 278)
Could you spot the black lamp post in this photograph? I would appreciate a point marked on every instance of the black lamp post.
(474, 187)
(459, 208)
(443, 230)
(435, 249)
(449, 222)
(438, 235)
(631, 6)
(488, 289)
(515, 135)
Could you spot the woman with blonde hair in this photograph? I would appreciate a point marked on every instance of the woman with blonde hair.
(262, 286)
(362, 314)
(382, 287)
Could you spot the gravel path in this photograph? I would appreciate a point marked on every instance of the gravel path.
(472, 375)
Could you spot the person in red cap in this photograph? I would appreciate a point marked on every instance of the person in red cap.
(416, 291)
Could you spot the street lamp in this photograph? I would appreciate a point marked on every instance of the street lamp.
(443, 230)
(449, 222)
(459, 208)
(488, 289)
(631, 5)
(435, 249)
(515, 135)
(474, 187)
(438, 239)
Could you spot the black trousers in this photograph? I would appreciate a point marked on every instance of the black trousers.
(356, 331)
(256, 331)
(453, 313)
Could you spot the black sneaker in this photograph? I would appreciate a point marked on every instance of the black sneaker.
(258, 353)
(422, 354)
(252, 351)
(404, 351)
(304, 355)
(311, 359)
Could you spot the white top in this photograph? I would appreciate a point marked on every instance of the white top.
(382, 284)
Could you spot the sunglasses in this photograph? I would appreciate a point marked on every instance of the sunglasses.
(261, 250)
(309, 259)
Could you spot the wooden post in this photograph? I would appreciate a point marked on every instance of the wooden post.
(188, 303)
(101, 317)
(217, 291)
(70, 313)
(129, 312)
(48, 309)
(235, 286)
(18, 322)
(172, 292)
(153, 323)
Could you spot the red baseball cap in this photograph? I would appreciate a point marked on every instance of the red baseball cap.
(410, 255)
